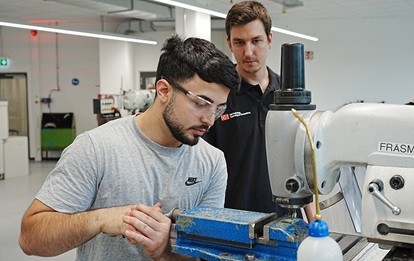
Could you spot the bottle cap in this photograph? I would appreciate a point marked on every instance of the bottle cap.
(318, 228)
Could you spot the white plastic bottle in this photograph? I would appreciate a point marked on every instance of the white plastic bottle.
(318, 246)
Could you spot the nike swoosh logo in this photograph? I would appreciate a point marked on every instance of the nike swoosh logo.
(191, 181)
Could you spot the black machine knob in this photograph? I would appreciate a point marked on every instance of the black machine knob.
(292, 93)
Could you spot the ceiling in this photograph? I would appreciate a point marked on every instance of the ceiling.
(79, 14)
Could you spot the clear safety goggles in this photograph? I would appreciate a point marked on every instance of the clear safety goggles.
(200, 106)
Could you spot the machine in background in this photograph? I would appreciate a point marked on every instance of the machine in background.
(138, 100)
(374, 137)
(107, 107)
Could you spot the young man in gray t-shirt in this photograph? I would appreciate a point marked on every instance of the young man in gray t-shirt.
(111, 187)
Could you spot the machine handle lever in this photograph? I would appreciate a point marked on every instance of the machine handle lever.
(375, 189)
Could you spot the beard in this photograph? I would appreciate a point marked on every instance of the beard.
(172, 122)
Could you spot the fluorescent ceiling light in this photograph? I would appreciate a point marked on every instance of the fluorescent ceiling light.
(222, 15)
(304, 36)
(78, 33)
(191, 7)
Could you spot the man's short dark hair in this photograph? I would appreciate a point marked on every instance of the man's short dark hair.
(182, 59)
(246, 12)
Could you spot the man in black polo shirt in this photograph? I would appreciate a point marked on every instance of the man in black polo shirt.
(240, 132)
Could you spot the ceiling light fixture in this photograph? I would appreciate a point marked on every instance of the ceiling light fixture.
(78, 33)
(191, 7)
(304, 36)
(222, 15)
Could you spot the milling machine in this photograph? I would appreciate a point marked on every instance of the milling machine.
(374, 137)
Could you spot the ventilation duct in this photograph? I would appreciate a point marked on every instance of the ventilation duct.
(289, 3)
(137, 9)
(141, 26)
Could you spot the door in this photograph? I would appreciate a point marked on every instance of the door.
(13, 88)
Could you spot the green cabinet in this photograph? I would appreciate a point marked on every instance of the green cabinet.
(57, 139)
(58, 131)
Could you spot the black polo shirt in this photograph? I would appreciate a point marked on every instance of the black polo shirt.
(240, 134)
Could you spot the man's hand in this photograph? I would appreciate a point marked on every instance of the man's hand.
(112, 223)
(151, 230)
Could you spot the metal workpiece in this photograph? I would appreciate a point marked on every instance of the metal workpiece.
(226, 225)
(285, 229)
(228, 234)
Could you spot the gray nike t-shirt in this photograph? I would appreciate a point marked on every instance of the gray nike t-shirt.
(115, 165)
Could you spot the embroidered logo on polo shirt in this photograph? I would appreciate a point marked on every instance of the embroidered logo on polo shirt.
(191, 181)
(228, 116)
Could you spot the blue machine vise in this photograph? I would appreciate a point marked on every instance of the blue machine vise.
(214, 233)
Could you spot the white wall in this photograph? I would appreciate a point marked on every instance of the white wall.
(50, 66)
(146, 56)
(117, 66)
(81, 63)
(367, 59)
(354, 60)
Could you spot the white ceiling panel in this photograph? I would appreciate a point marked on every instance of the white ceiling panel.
(80, 12)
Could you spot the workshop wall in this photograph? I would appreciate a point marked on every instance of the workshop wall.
(364, 59)
(52, 63)
(146, 56)
(361, 59)
(354, 60)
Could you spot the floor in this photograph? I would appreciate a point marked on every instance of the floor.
(16, 194)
